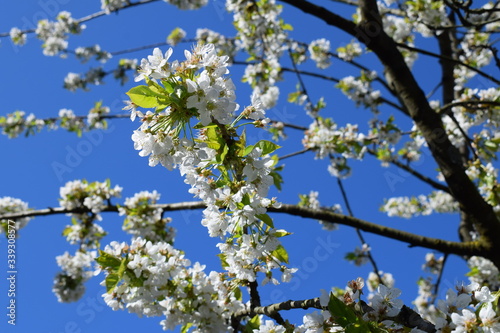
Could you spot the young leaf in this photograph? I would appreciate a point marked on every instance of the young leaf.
(143, 97)
(281, 254)
(112, 281)
(347, 318)
(267, 147)
(266, 219)
(107, 260)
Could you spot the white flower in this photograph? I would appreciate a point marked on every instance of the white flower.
(489, 319)
(320, 50)
(465, 322)
(17, 36)
(453, 302)
(385, 302)
(270, 327)
(324, 299)
(9, 205)
(313, 322)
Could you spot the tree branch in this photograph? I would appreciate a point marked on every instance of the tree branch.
(458, 248)
(431, 126)
(406, 316)
(358, 232)
(89, 17)
(273, 309)
(413, 172)
(457, 62)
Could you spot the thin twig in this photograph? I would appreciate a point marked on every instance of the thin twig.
(458, 62)
(294, 154)
(438, 281)
(428, 180)
(89, 17)
(358, 232)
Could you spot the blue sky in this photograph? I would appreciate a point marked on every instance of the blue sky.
(33, 83)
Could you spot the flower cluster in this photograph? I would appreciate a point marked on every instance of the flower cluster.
(188, 4)
(338, 144)
(113, 5)
(320, 52)
(261, 33)
(433, 264)
(17, 122)
(217, 164)
(95, 116)
(350, 51)
(82, 195)
(360, 255)
(124, 65)
(428, 16)
(86, 53)
(223, 45)
(145, 221)
(74, 81)
(70, 121)
(483, 272)
(17, 36)
(9, 205)
(469, 307)
(156, 279)
(76, 270)
(176, 36)
(311, 201)
(54, 34)
(265, 89)
(359, 89)
(408, 207)
(396, 25)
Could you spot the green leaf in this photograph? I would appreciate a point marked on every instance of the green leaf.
(169, 87)
(491, 145)
(267, 147)
(281, 254)
(186, 327)
(281, 233)
(346, 317)
(237, 293)
(112, 281)
(351, 256)
(107, 260)
(214, 140)
(245, 200)
(122, 268)
(277, 179)
(241, 143)
(143, 96)
(248, 150)
(266, 219)
(343, 314)
(294, 96)
(223, 261)
(252, 324)
(66, 231)
(222, 156)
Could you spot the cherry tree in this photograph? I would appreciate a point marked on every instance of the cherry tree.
(189, 117)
